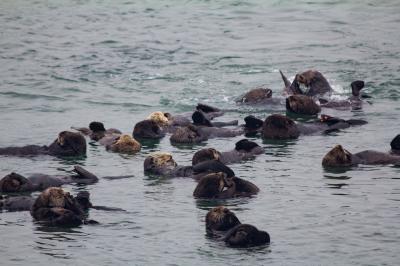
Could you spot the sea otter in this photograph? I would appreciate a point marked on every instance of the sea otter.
(124, 144)
(277, 126)
(197, 134)
(354, 102)
(315, 82)
(244, 150)
(163, 164)
(97, 131)
(258, 95)
(67, 144)
(25, 203)
(37, 182)
(302, 104)
(148, 129)
(221, 222)
(246, 235)
(339, 157)
(221, 186)
(57, 208)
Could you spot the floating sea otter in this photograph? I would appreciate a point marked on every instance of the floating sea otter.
(221, 222)
(67, 144)
(258, 95)
(223, 186)
(197, 134)
(315, 82)
(58, 208)
(354, 102)
(97, 131)
(339, 157)
(163, 164)
(244, 150)
(17, 183)
(277, 126)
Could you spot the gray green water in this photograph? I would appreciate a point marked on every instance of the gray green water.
(65, 63)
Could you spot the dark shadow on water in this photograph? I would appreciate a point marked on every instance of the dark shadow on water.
(149, 143)
(336, 186)
(302, 118)
(189, 146)
(339, 177)
(336, 170)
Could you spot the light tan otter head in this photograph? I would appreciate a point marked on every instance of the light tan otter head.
(125, 144)
(205, 155)
(302, 104)
(337, 157)
(160, 118)
(54, 197)
(159, 163)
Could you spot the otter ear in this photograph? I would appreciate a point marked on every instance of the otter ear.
(245, 144)
(356, 87)
(252, 122)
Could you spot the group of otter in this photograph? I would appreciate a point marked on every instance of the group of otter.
(215, 180)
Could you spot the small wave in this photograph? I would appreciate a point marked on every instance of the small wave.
(31, 96)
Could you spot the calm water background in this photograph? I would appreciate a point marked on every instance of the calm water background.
(66, 63)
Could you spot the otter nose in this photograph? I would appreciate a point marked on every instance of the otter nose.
(226, 210)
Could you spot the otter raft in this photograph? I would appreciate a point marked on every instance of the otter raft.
(200, 132)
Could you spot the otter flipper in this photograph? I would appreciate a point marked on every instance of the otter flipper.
(285, 80)
(83, 174)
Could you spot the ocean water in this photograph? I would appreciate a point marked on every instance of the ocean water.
(66, 63)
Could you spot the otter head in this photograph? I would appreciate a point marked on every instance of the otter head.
(252, 123)
(15, 183)
(98, 130)
(280, 127)
(159, 118)
(148, 129)
(356, 87)
(68, 144)
(125, 144)
(330, 120)
(247, 146)
(54, 197)
(83, 199)
(220, 219)
(337, 157)
(256, 95)
(188, 134)
(199, 119)
(395, 144)
(246, 235)
(205, 155)
(315, 81)
(302, 104)
(159, 163)
(212, 185)
(206, 108)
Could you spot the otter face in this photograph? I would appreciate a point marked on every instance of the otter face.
(302, 104)
(248, 146)
(159, 163)
(148, 129)
(280, 127)
(220, 219)
(14, 183)
(125, 144)
(246, 235)
(212, 185)
(256, 95)
(55, 197)
(205, 155)
(313, 80)
(188, 134)
(68, 144)
(159, 118)
(356, 87)
(337, 157)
